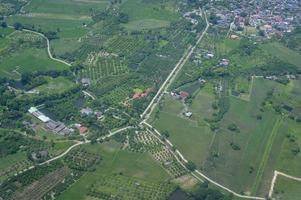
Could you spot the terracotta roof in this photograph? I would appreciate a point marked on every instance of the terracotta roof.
(83, 130)
(184, 94)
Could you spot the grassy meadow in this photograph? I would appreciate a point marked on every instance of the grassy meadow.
(283, 53)
(28, 60)
(287, 189)
(213, 152)
(55, 85)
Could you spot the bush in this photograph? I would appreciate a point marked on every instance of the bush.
(190, 166)
(233, 127)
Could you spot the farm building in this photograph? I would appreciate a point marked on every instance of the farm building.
(35, 112)
(86, 111)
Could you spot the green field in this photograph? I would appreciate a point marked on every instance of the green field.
(104, 67)
(283, 53)
(191, 136)
(212, 152)
(287, 189)
(4, 32)
(68, 7)
(28, 60)
(140, 9)
(67, 28)
(55, 85)
(146, 24)
(116, 162)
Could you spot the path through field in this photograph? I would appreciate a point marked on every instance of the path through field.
(48, 45)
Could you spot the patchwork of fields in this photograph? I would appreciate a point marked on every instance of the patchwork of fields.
(233, 111)
(214, 152)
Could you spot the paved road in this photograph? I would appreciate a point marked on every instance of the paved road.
(173, 74)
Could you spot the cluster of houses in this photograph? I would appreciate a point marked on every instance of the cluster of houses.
(202, 53)
(275, 78)
(270, 16)
(88, 111)
(191, 16)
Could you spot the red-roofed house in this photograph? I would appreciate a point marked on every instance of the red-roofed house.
(136, 95)
(83, 130)
(184, 94)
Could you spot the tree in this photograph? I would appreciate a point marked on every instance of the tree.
(18, 26)
(3, 24)
(26, 78)
(190, 166)
(51, 35)
(123, 18)
(233, 127)
(165, 134)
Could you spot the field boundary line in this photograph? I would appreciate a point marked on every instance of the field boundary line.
(276, 174)
(48, 45)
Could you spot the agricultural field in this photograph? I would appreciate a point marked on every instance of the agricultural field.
(103, 67)
(287, 189)
(55, 85)
(123, 45)
(13, 164)
(128, 166)
(139, 25)
(28, 60)
(139, 9)
(237, 150)
(4, 34)
(68, 16)
(191, 136)
(283, 53)
(153, 92)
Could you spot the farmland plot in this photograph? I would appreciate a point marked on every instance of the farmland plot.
(127, 188)
(146, 142)
(104, 67)
(39, 188)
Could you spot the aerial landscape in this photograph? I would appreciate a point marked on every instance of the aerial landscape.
(150, 99)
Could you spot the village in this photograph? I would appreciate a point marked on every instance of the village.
(267, 18)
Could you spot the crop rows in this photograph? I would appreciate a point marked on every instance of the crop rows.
(39, 188)
(121, 187)
(25, 36)
(118, 95)
(104, 67)
(16, 168)
(81, 159)
(146, 142)
(123, 45)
